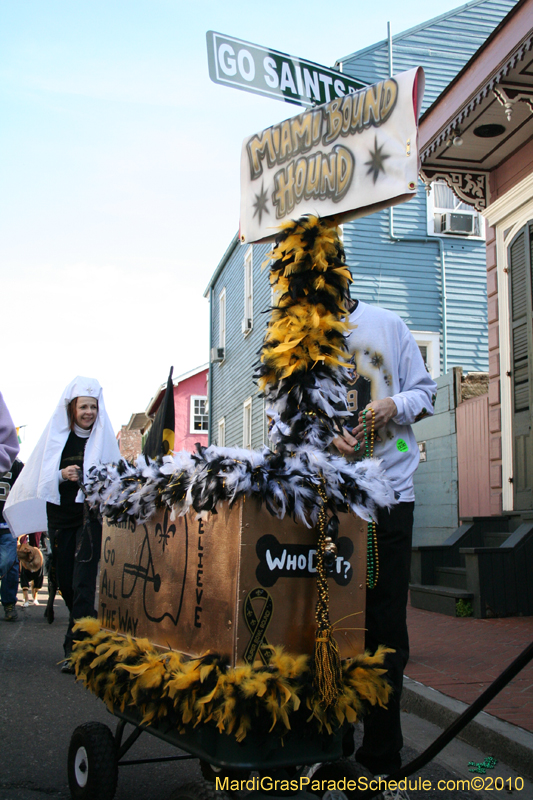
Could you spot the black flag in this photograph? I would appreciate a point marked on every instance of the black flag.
(160, 439)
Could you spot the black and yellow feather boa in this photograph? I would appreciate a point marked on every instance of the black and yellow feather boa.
(304, 357)
(181, 692)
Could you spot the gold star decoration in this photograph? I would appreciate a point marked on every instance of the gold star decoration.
(377, 157)
(260, 203)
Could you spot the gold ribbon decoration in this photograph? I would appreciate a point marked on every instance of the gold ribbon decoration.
(258, 643)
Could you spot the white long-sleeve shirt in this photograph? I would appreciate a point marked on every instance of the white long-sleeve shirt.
(388, 363)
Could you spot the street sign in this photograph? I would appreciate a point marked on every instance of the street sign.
(344, 159)
(257, 69)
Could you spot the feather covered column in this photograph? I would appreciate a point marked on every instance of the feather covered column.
(302, 376)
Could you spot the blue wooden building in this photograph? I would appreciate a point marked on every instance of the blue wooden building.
(424, 260)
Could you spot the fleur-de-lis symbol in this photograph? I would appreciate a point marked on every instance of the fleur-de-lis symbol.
(163, 532)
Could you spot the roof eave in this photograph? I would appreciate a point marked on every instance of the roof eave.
(483, 71)
(222, 263)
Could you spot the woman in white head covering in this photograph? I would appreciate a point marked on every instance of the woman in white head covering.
(78, 436)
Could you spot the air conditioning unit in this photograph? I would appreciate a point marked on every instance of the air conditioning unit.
(246, 325)
(217, 354)
(457, 223)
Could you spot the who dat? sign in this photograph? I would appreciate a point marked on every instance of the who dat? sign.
(261, 70)
(345, 159)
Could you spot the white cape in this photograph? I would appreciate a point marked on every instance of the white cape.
(38, 483)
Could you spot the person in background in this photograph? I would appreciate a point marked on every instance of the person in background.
(51, 579)
(9, 443)
(9, 564)
(48, 495)
(9, 567)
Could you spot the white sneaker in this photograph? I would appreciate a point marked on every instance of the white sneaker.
(26, 604)
(392, 794)
(36, 602)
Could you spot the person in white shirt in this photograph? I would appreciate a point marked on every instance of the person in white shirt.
(391, 378)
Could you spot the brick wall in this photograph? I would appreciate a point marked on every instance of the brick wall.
(130, 443)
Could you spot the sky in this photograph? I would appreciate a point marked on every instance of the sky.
(119, 180)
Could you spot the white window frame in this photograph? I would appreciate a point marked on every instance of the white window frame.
(247, 423)
(508, 214)
(222, 320)
(192, 429)
(431, 341)
(248, 290)
(221, 440)
(460, 206)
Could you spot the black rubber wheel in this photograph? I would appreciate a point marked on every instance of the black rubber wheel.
(92, 763)
(334, 771)
(211, 773)
(199, 790)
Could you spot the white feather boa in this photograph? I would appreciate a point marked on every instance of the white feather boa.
(287, 483)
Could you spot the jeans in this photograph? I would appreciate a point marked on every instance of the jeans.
(386, 622)
(76, 553)
(9, 567)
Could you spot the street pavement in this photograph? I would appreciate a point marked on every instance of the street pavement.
(40, 707)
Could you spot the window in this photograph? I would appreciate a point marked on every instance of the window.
(222, 318)
(429, 344)
(199, 417)
(222, 432)
(267, 441)
(247, 322)
(247, 423)
(448, 216)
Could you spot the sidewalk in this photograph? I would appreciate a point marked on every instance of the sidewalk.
(460, 657)
(453, 660)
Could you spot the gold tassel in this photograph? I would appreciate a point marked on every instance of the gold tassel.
(328, 670)
(327, 666)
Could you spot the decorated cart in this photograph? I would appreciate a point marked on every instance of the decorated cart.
(232, 588)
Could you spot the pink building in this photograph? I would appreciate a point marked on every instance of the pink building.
(190, 408)
(478, 138)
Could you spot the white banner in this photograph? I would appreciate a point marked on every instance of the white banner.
(347, 158)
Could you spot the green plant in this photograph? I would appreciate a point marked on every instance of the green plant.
(463, 608)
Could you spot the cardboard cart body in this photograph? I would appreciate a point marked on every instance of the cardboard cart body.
(237, 582)
(234, 583)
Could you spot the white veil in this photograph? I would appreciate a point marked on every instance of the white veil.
(38, 483)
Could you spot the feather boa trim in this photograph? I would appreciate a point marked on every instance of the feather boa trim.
(168, 687)
(304, 354)
(286, 482)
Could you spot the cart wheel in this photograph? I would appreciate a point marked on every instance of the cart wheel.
(92, 763)
(199, 790)
(211, 773)
(334, 771)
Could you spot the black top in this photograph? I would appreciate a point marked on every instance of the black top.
(68, 514)
(7, 479)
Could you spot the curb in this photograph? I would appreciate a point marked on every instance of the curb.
(504, 741)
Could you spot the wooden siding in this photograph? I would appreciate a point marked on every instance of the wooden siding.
(401, 276)
(473, 464)
(406, 277)
(466, 290)
(442, 46)
(232, 381)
